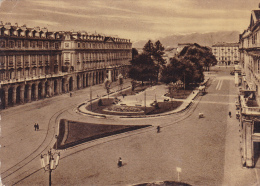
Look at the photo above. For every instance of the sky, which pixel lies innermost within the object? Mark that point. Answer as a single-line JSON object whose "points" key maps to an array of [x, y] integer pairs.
{"points": [[131, 19]]}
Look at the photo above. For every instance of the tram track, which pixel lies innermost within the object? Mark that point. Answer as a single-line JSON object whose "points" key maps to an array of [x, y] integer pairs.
{"points": [[181, 116], [16, 173], [7, 176]]}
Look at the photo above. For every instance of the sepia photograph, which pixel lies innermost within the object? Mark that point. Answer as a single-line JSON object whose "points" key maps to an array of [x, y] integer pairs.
{"points": [[129, 92]]}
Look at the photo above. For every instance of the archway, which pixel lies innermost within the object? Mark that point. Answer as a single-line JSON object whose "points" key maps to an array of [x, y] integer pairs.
{"points": [[40, 91], [71, 84], [18, 90], [33, 92], [2, 99], [10, 96], [26, 89], [78, 82], [55, 87], [63, 85]]}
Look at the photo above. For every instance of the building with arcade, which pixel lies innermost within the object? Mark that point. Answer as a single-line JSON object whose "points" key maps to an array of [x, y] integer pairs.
{"points": [[36, 63], [248, 101]]}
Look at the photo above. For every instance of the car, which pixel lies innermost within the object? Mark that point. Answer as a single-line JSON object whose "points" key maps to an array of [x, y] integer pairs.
{"points": [[232, 72]]}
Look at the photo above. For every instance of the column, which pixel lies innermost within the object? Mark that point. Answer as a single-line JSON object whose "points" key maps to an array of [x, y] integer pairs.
{"points": [[36, 92], [6, 98], [22, 94], [248, 124], [51, 88], [29, 93], [43, 90]]}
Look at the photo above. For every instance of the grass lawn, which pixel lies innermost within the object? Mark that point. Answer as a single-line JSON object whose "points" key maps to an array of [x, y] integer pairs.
{"points": [[180, 94], [73, 133]]}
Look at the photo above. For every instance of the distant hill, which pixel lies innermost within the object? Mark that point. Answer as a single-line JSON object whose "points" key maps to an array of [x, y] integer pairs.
{"points": [[206, 39]]}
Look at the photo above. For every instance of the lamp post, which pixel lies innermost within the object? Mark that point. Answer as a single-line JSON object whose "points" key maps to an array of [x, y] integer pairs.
{"points": [[51, 164]]}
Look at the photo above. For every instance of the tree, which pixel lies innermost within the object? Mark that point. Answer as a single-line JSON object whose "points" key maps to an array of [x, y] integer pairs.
{"points": [[188, 66], [134, 53], [199, 54], [148, 49], [143, 68], [158, 51]]}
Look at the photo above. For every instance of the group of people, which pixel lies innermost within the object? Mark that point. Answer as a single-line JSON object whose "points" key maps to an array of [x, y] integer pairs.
{"points": [[36, 126]]}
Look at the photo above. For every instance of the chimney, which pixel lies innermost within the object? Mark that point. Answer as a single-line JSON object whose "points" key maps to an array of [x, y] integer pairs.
{"points": [[44, 29]]}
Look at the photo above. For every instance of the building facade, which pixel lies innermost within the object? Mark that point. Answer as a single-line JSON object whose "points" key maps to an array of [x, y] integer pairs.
{"points": [[249, 105], [226, 53], [36, 63]]}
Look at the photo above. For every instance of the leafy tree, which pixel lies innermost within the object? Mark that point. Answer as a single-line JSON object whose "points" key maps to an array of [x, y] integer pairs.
{"points": [[158, 51], [148, 48], [134, 53], [188, 66], [147, 65], [143, 68]]}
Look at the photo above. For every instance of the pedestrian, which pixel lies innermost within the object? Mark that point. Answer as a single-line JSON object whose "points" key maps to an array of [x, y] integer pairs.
{"points": [[35, 126], [70, 94], [158, 129], [119, 163], [229, 114]]}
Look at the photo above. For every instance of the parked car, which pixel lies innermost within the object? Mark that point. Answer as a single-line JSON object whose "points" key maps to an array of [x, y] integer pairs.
{"points": [[232, 72]]}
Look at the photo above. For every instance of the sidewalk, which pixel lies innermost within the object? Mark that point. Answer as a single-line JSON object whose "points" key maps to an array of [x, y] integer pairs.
{"points": [[234, 173]]}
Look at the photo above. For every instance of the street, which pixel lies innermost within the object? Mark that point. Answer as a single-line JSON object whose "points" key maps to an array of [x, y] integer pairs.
{"points": [[206, 149]]}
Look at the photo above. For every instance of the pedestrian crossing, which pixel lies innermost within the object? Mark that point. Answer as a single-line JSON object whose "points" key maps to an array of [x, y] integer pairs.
{"points": [[219, 85]]}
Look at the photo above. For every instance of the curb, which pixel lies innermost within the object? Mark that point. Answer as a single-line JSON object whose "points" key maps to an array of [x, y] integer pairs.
{"points": [[141, 116]]}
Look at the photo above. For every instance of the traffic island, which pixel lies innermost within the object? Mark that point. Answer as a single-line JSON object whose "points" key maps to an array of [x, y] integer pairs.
{"points": [[164, 183], [72, 133]]}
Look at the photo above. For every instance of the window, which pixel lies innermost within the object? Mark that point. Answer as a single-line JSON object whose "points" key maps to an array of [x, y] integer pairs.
{"points": [[11, 60], [2, 60], [46, 45], [11, 44], [46, 58], [83, 45], [40, 59], [78, 45], [18, 60], [2, 44], [19, 44], [40, 44], [33, 44], [26, 44], [67, 45], [33, 59], [56, 45]]}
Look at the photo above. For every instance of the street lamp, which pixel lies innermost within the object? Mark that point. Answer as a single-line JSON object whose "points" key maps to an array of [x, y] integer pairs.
{"points": [[51, 164]]}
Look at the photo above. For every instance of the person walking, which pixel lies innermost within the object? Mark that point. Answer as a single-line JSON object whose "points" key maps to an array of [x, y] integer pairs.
{"points": [[158, 129], [229, 114], [35, 126], [119, 163]]}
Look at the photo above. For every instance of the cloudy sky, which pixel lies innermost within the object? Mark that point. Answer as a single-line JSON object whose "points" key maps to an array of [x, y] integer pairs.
{"points": [[131, 19]]}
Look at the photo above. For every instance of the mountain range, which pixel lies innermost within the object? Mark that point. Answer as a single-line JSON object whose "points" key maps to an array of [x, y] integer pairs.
{"points": [[203, 39]]}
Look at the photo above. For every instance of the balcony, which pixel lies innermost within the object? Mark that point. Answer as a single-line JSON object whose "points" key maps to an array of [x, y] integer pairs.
{"points": [[249, 104]]}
